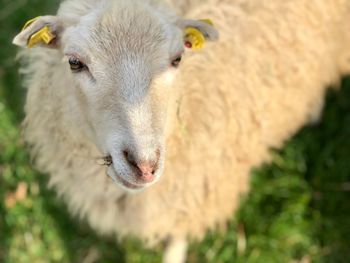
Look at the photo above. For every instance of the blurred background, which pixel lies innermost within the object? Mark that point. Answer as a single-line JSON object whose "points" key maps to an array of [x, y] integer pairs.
{"points": [[298, 209]]}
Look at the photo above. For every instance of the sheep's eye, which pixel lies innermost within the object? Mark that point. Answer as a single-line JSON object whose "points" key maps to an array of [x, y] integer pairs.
{"points": [[175, 63], [76, 65]]}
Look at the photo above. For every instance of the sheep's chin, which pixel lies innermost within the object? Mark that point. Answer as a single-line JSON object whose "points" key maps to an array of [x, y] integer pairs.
{"points": [[122, 183]]}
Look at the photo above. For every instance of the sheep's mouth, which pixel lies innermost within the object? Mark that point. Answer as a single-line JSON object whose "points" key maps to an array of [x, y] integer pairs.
{"points": [[121, 181], [128, 184]]}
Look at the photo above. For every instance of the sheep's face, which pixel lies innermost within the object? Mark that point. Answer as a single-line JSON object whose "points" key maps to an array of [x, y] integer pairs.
{"points": [[125, 68], [123, 59]]}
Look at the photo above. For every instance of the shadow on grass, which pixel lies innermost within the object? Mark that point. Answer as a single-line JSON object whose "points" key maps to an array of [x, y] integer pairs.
{"points": [[328, 160]]}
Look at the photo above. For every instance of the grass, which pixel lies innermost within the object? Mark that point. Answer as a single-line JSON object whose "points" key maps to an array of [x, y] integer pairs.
{"points": [[298, 209]]}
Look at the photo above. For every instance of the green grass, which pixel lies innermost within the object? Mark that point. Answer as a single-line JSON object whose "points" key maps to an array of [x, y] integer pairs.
{"points": [[298, 207]]}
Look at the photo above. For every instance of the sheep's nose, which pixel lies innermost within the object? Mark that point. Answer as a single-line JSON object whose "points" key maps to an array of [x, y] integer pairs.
{"points": [[144, 169]]}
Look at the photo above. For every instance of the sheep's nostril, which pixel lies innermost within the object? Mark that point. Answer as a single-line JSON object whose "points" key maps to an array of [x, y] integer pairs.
{"points": [[130, 159]]}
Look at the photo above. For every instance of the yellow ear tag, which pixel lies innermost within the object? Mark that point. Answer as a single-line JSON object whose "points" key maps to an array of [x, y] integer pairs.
{"points": [[43, 35], [194, 38]]}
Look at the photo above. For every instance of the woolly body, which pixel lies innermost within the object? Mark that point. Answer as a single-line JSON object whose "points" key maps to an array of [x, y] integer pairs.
{"points": [[232, 102]]}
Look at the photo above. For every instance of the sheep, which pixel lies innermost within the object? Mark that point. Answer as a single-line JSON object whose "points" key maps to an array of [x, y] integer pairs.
{"points": [[178, 138]]}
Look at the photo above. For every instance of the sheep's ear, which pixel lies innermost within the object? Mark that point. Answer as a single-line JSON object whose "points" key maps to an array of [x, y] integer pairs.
{"points": [[197, 32], [43, 30]]}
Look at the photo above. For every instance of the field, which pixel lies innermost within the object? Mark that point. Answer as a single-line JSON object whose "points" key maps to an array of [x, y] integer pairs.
{"points": [[298, 209]]}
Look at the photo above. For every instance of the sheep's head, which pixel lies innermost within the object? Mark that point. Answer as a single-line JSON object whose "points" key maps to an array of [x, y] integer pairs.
{"points": [[123, 58]]}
